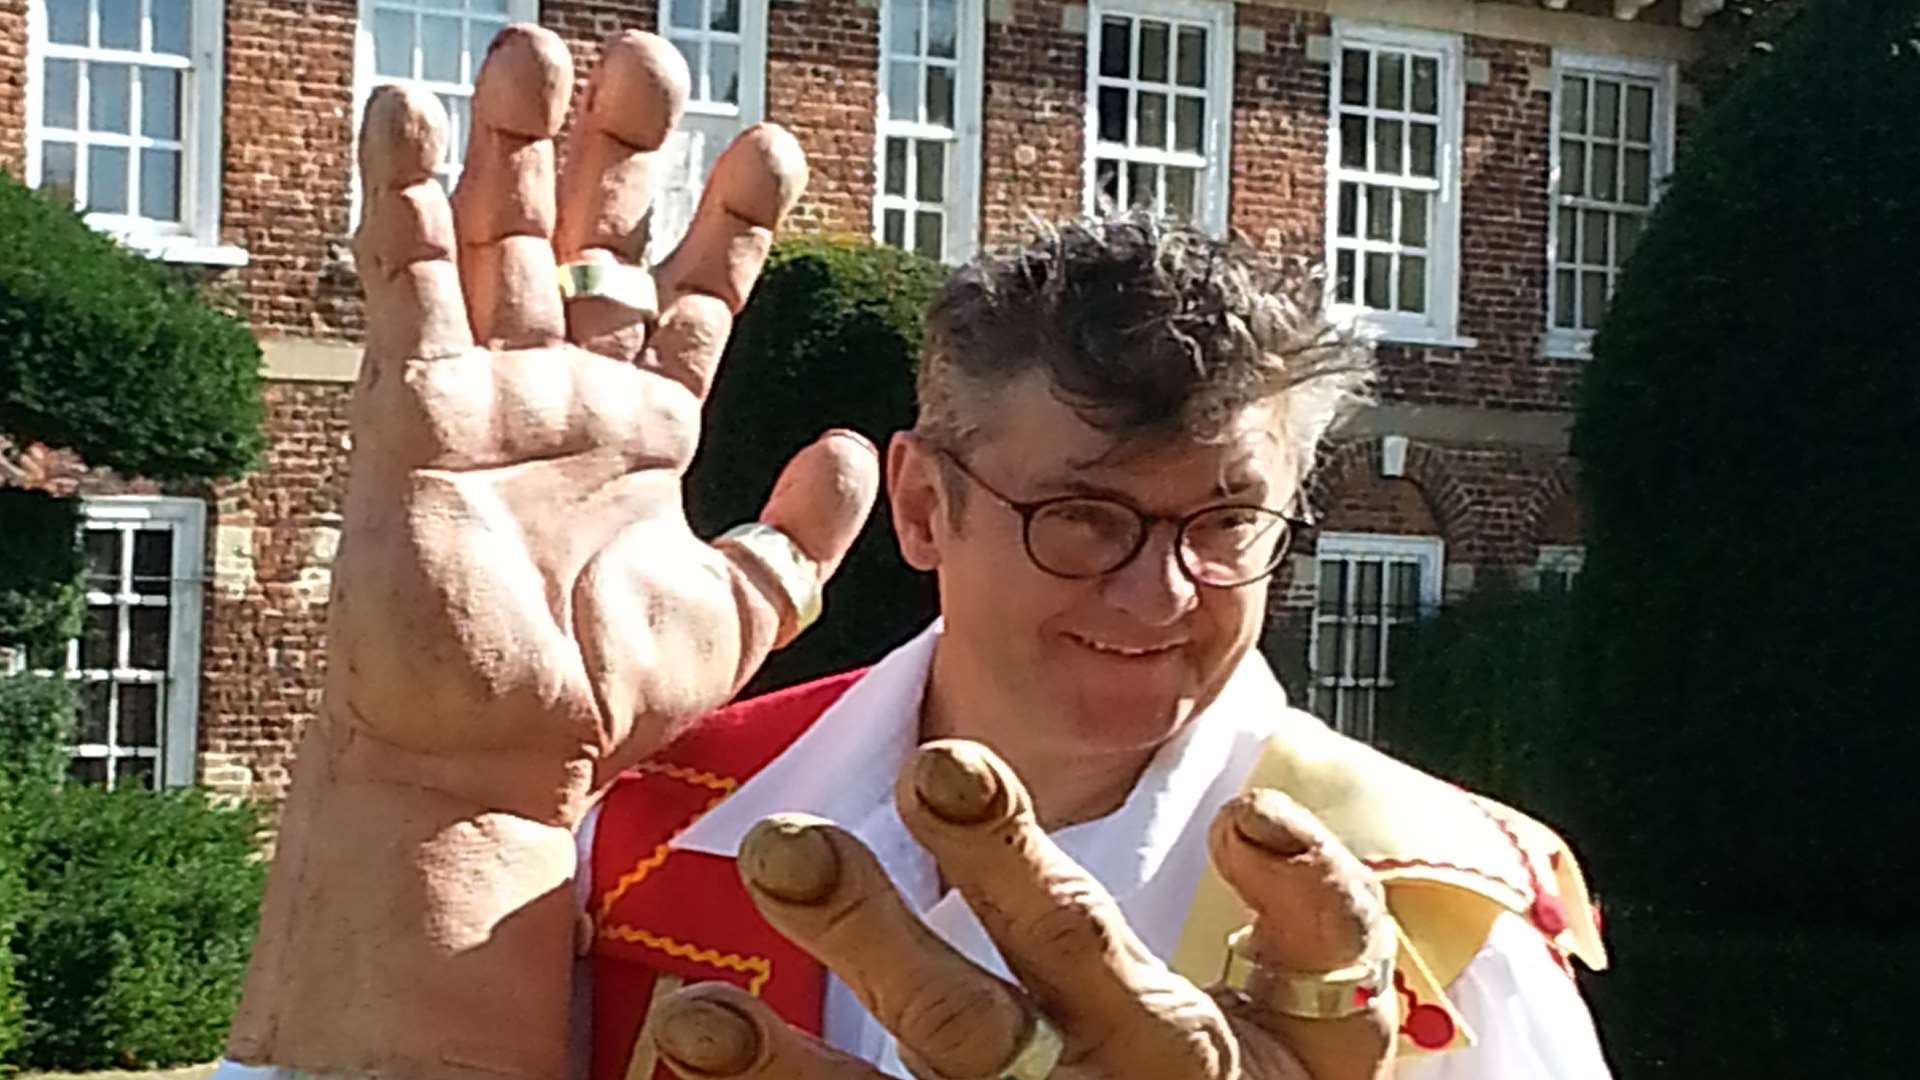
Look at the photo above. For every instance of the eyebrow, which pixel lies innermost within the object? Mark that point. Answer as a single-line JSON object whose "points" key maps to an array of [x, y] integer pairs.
{"points": [[1239, 483]]}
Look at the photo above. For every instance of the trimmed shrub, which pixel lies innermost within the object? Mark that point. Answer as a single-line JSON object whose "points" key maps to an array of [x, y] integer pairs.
{"points": [[114, 356], [137, 924], [1745, 620], [36, 721], [42, 600], [830, 339]]}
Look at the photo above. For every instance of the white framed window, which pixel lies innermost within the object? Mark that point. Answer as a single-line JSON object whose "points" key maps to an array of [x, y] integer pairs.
{"points": [[1612, 149], [928, 150], [123, 113], [1393, 191], [437, 45], [136, 662], [1369, 586], [1159, 99], [1557, 566], [725, 43]]}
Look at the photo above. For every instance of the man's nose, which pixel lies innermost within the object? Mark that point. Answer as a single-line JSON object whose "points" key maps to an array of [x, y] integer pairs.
{"points": [[1152, 587]]}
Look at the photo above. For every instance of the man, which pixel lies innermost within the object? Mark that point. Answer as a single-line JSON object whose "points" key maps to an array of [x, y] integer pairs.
{"points": [[1115, 426]]}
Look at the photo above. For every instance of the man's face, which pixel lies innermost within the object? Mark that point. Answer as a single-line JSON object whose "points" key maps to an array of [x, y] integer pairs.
{"points": [[1113, 664]]}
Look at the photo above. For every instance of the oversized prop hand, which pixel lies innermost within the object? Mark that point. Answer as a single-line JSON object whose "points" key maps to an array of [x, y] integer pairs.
{"points": [[1092, 1003], [520, 609]]}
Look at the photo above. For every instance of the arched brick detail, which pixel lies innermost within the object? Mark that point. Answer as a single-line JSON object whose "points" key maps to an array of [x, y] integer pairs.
{"points": [[1344, 463], [1547, 500]]}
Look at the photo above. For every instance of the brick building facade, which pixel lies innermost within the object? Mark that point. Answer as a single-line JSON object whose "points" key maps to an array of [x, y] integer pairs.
{"points": [[1473, 170]]}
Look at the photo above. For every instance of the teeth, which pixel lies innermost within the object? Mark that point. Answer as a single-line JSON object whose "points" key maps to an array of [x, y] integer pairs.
{"points": [[1117, 650]]}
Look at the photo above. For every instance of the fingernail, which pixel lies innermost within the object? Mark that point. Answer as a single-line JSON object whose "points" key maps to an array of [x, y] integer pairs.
{"points": [[854, 436], [1260, 819], [791, 857], [956, 781], [707, 1037]]}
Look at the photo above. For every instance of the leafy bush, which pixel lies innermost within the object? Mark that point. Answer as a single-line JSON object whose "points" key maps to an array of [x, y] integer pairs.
{"points": [[41, 568], [36, 721], [136, 927], [830, 339], [1745, 620], [1479, 697], [110, 354]]}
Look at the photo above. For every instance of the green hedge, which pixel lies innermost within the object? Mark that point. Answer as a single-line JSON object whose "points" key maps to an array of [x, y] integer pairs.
{"points": [[41, 571], [112, 355], [830, 338]]}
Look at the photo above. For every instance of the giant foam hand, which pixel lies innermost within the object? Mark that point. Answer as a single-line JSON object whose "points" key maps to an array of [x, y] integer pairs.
{"points": [[519, 608]]}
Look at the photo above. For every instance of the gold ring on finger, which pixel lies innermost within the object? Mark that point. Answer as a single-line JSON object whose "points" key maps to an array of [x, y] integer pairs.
{"points": [[797, 574], [629, 286], [1039, 1052]]}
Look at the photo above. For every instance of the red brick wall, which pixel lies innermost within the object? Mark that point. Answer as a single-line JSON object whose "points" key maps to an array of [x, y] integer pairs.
{"points": [[823, 63], [13, 86], [1032, 110], [1280, 112]]}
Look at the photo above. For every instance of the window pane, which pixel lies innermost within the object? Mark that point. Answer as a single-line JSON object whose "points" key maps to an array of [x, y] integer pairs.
{"points": [[1413, 284], [1326, 660], [1182, 193], [903, 26], [1106, 180], [1369, 589], [940, 95], [1640, 113], [928, 229], [943, 30], [440, 48], [1573, 105], [1406, 590], [89, 771], [1116, 47], [1379, 213], [1573, 167], [1626, 236], [57, 165], [1606, 160], [139, 723], [107, 179], [1379, 280], [147, 630], [903, 91], [1413, 218], [480, 34], [1151, 122], [724, 16], [103, 559], [1333, 577], [1390, 81], [67, 22], [1153, 50], [1143, 185], [159, 103], [1366, 664], [160, 184], [1112, 114], [1637, 185], [1353, 76], [1343, 283], [95, 695], [1593, 298], [1386, 146], [1191, 65], [1348, 212], [170, 26], [60, 101], [152, 557], [1424, 137], [723, 73], [1593, 237], [109, 97], [1353, 142], [1564, 311], [119, 24], [894, 182], [893, 227], [1189, 124], [133, 773], [686, 13], [1606, 109], [97, 638], [930, 178], [1567, 226], [1426, 86], [392, 44]]}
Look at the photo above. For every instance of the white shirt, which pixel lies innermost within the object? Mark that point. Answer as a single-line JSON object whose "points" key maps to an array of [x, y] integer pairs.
{"points": [[1150, 853]]}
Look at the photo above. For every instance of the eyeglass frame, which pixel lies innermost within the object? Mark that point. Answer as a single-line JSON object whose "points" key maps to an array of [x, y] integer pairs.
{"points": [[1029, 509]]}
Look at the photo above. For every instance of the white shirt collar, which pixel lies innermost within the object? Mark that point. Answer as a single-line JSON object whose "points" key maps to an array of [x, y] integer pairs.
{"points": [[843, 769]]}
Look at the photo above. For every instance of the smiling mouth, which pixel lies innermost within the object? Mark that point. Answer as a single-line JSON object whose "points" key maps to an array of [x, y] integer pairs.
{"points": [[1127, 651]]}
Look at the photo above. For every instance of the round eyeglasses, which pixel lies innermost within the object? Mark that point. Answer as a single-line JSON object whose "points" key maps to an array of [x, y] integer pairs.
{"points": [[1085, 536]]}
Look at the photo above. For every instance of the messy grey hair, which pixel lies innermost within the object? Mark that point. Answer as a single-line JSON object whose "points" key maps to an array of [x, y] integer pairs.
{"points": [[1148, 330]]}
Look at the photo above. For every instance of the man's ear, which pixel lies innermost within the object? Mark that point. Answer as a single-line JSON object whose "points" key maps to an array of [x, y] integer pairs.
{"points": [[915, 497]]}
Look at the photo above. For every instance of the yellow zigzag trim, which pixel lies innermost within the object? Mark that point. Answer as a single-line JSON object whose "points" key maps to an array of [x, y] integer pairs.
{"points": [[757, 966], [724, 785]]}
